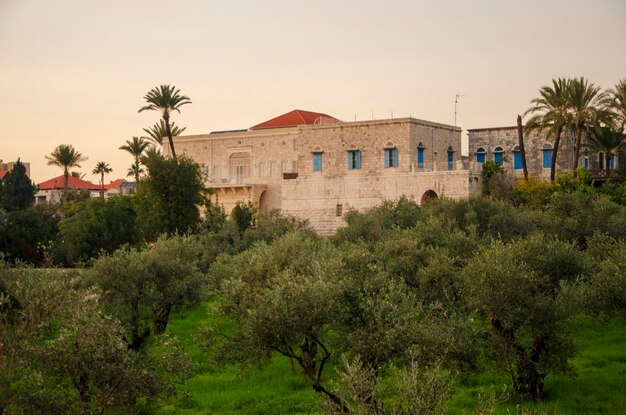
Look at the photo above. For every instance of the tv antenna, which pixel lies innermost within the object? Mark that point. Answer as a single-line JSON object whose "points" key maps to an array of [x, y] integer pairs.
{"points": [[456, 100]]}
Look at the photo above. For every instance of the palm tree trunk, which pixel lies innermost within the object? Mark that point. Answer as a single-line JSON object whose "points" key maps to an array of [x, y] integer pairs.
{"points": [[137, 170], [555, 150], [579, 133], [102, 184], [66, 176], [520, 136], [607, 163], [169, 135]]}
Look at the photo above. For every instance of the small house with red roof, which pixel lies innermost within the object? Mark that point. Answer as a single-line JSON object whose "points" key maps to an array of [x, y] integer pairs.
{"points": [[316, 167], [51, 191]]}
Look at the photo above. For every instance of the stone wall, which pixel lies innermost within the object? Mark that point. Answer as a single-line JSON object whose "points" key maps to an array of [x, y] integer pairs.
{"points": [[372, 138], [272, 153], [325, 200], [506, 137]]}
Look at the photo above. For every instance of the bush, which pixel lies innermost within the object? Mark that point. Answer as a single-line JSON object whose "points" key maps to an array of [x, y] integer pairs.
{"points": [[96, 226]]}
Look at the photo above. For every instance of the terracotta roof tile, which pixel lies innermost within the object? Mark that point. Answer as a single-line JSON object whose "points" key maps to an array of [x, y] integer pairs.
{"points": [[294, 118], [73, 183]]}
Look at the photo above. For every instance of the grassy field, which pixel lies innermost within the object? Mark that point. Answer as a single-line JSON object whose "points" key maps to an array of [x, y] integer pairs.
{"points": [[598, 388]]}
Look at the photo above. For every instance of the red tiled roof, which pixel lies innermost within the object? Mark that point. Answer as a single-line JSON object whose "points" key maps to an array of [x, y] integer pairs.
{"points": [[115, 184], [294, 118], [3, 173], [73, 183]]}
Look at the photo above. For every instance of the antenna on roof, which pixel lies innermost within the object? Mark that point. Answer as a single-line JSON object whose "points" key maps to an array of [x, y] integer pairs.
{"points": [[373, 114], [456, 99]]}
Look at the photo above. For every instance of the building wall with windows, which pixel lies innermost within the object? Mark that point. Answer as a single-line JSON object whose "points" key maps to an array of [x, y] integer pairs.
{"points": [[501, 144], [317, 171], [244, 166]]}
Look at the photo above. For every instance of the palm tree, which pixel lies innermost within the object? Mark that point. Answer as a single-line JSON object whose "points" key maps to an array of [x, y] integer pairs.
{"points": [[136, 147], [135, 170], [550, 113], [159, 130], [77, 174], [615, 101], [102, 168], [606, 140], [66, 157], [583, 101], [165, 99]]}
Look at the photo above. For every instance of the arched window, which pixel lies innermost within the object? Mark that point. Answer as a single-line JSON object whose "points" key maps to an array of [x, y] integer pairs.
{"points": [[547, 156], [517, 158], [498, 155], [239, 166], [420, 155], [480, 155], [586, 158], [450, 158]]}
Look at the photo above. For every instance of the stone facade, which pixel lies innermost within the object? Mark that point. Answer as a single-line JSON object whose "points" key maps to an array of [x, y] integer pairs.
{"points": [[311, 171], [535, 144]]}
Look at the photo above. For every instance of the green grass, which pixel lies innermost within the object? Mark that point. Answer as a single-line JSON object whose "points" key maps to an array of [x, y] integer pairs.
{"points": [[598, 388], [232, 389]]}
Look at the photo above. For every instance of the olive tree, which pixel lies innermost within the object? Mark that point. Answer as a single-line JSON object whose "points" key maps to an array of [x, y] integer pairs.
{"points": [[529, 334]]}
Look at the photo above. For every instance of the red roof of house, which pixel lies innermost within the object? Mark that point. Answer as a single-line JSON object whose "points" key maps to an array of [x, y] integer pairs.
{"points": [[294, 118], [115, 184], [72, 183], [3, 173]]}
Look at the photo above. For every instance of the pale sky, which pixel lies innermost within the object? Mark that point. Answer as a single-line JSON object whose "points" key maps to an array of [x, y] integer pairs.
{"points": [[75, 72]]}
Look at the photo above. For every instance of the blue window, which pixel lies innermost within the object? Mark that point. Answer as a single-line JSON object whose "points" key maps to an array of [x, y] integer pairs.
{"points": [[498, 155], [586, 159], [480, 155], [547, 156], [420, 155], [450, 158], [354, 159], [612, 162], [517, 158], [391, 157], [317, 161]]}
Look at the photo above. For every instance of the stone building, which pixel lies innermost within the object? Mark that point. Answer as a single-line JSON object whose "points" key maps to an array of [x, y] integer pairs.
{"points": [[501, 144], [316, 167]]}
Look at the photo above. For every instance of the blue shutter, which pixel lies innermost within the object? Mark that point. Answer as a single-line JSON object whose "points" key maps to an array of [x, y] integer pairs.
{"points": [[517, 160], [317, 161], [480, 157], [387, 158], [420, 157], [587, 162], [395, 157], [612, 162], [350, 161], [358, 159], [499, 158], [547, 158], [450, 160]]}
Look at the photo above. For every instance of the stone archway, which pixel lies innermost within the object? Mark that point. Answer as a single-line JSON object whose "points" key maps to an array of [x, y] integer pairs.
{"points": [[428, 195], [262, 206]]}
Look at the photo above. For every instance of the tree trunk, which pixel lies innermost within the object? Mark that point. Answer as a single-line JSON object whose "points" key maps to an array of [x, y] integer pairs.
{"points": [[137, 170], [66, 176], [161, 318], [169, 135], [522, 150], [102, 183], [579, 133], [555, 151]]}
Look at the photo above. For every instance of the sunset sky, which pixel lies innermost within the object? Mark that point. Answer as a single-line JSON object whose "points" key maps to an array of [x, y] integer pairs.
{"points": [[75, 72]]}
